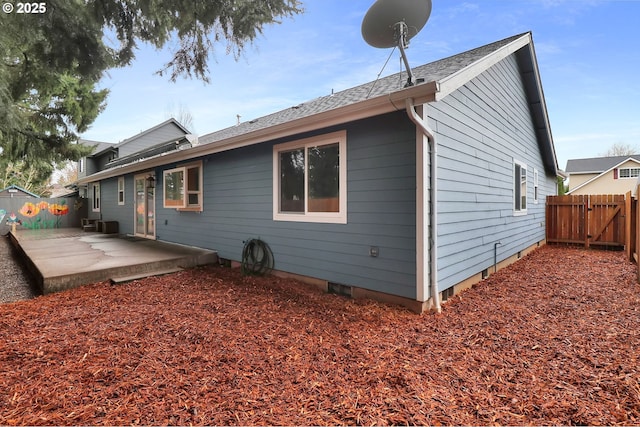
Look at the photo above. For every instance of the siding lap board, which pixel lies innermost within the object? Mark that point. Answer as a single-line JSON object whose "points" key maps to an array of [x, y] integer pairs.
{"points": [[109, 208], [480, 129], [162, 134], [381, 211]]}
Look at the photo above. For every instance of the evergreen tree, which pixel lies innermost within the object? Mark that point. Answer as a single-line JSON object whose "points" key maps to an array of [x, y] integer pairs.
{"points": [[51, 62]]}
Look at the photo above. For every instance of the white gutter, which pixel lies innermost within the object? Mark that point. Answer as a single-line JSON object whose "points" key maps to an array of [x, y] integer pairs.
{"points": [[363, 109], [433, 211]]}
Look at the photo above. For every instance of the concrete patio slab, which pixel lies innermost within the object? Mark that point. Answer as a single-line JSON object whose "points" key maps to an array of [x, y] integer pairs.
{"points": [[69, 257]]}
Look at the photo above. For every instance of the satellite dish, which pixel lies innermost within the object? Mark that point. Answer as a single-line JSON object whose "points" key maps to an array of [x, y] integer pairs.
{"points": [[390, 23]]}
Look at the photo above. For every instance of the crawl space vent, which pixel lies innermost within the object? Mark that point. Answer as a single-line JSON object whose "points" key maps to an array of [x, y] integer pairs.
{"points": [[446, 294], [339, 289]]}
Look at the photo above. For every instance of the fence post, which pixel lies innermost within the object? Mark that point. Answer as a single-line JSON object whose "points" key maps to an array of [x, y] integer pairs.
{"points": [[627, 225], [547, 220], [587, 209], [637, 231]]}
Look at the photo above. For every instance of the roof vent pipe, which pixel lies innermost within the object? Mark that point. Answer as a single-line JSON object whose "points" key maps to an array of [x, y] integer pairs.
{"points": [[433, 212]]}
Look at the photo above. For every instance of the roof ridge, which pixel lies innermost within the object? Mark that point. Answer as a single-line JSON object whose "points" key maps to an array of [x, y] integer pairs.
{"points": [[430, 72]]}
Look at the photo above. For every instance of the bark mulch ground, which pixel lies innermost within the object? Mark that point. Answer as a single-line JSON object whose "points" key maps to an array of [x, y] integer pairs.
{"points": [[553, 339]]}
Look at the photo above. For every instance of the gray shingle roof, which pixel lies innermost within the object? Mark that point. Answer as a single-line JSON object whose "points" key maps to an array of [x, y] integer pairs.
{"points": [[596, 164], [15, 187], [431, 72], [99, 146], [151, 129], [372, 98], [152, 151]]}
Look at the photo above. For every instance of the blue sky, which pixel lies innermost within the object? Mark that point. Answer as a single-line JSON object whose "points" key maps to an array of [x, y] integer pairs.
{"points": [[587, 50]]}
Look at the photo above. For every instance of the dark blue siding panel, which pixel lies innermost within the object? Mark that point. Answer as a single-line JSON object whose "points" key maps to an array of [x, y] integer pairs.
{"points": [[238, 196], [110, 210], [480, 129]]}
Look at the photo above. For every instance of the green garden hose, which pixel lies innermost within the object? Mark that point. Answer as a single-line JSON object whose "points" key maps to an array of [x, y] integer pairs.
{"points": [[257, 258]]}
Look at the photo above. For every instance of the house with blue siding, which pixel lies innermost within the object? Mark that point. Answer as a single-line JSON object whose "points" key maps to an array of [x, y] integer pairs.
{"points": [[406, 194]]}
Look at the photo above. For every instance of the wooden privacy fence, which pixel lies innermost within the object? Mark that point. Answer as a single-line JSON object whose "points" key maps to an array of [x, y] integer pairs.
{"points": [[41, 213], [611, 220], [590, 220]]}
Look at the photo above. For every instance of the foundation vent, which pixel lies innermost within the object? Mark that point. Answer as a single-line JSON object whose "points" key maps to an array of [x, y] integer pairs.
{"points": [[339, 289], [446, 294]]}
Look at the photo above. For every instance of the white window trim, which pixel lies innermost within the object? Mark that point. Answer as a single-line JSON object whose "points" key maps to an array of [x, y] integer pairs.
{"points": [[536, 187], [339, 217], [523, 166], [121, 191], [185, 205], [95, 197], [626, 177]]}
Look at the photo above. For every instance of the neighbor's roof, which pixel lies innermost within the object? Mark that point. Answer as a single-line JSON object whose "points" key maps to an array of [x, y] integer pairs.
{"points": [[156, 127], [434, 81], [15, 187], [596, 164], [98, 146], [622, 160], [155, 150], [101, 147]]}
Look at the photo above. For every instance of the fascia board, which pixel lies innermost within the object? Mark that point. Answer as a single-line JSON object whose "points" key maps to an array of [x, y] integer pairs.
{"points": [[454, 81], [394, 101], [584, 173]]}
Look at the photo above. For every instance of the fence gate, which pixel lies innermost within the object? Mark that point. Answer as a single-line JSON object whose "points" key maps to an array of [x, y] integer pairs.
{"points": [[589, 220]]}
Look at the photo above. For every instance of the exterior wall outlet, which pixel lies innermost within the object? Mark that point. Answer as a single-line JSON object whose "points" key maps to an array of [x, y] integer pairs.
{"points": [[374, 251]]}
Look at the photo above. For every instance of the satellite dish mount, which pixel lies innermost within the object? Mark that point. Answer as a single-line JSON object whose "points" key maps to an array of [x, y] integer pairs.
{"points": [[392, 23], [402, 36]]}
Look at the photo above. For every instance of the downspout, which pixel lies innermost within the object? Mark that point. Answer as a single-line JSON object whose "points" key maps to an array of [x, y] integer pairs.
{"points": [[433, 211]]}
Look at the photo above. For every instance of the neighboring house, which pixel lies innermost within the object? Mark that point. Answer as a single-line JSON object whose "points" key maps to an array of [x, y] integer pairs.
{"points": [[603, 175], [342, 187], [96, 161], [104, 152], [15, 191], [64, 191]]}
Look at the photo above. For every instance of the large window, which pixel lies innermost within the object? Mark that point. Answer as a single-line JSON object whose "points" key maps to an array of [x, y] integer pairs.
{"points": [[310, 179], [520, 188], [183, 187]]}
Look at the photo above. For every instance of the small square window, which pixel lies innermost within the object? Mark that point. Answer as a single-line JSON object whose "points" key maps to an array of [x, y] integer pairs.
{"points": [[183, 187]]}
